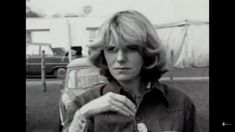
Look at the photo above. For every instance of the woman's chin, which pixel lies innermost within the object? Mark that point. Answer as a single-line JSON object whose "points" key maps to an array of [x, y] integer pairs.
{"points": [[123, 78]]}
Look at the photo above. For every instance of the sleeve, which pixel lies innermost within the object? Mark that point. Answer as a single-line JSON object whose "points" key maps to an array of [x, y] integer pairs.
{"points": [[191, 119], [82, 124]]}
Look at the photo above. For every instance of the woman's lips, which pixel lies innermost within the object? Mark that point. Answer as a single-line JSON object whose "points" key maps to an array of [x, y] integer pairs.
{"points": [[122, 68]]}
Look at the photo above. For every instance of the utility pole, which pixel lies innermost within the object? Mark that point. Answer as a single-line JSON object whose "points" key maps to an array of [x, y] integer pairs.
{"points": [[172, 63], [69, 36], [43, 71]]}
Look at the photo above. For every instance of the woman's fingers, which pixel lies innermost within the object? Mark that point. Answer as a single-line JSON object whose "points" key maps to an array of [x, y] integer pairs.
{"points": [[109, 102], [125, 101], [121, 108]]}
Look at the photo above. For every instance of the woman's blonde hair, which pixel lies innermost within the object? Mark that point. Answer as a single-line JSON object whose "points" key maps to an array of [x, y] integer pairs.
{"points": [[130, 27]]}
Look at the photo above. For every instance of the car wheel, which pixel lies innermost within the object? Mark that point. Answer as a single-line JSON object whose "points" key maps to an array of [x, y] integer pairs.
{"points": [[60, 72]]}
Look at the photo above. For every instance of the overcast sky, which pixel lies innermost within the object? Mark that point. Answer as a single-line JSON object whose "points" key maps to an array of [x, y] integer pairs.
{"points": [[158, 11]]}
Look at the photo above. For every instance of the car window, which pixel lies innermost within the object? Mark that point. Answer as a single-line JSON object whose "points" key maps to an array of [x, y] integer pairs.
{"points": [[80, 78], [47, 49], [32, 50], [37, 49]]}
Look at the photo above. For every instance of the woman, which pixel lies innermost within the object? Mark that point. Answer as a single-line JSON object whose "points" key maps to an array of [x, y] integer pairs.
{"points": [[129, 53]]}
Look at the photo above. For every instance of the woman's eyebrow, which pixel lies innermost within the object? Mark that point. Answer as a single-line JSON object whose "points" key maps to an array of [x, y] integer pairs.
{"points": [[110, 46], [131, 44]]}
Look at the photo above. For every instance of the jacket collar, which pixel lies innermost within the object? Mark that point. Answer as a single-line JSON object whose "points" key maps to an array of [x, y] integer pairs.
{"points": [[114, 87], [156, 85]]}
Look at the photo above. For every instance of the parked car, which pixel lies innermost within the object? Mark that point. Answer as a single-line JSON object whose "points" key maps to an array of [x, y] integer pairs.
{"points": [[59, 51], [76, 52], [55, 65], [81, 75]]}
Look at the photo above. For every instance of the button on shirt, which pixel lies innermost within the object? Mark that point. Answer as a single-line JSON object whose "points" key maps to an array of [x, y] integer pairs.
{"points": [[161, 108]]}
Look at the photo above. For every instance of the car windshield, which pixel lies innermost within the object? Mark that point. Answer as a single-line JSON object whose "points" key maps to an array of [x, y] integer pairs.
{"points": [[36, 49], [84, 77]]}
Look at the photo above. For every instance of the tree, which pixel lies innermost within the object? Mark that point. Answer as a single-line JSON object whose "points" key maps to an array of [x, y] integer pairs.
{"points": [[30, 12]]}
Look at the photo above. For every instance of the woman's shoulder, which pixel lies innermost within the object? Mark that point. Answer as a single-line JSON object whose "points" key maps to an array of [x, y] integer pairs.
{"points": [[177, 98]]}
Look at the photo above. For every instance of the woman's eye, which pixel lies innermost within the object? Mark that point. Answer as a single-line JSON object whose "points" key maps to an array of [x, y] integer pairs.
{"points": [[110, 48], [133, 47]]}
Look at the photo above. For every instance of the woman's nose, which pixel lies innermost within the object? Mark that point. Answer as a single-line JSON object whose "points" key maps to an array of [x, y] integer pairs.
{"points": [[121, 56]]}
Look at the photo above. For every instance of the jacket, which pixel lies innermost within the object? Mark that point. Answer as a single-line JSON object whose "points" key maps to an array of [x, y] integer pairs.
{"points": [[162, 108]]}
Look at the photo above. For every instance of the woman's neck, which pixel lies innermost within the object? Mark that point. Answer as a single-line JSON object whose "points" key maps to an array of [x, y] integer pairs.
{"points": [[134, 86]]}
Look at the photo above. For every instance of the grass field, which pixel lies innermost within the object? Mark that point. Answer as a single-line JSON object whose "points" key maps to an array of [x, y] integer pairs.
{"points": [[42, 113]]}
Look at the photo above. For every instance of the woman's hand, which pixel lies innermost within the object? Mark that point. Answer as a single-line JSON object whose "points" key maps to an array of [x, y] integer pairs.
{"points": [[109, 102]]}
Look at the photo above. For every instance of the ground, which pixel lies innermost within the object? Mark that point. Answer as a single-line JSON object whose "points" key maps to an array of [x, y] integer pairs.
{"points": [[42, 113]]}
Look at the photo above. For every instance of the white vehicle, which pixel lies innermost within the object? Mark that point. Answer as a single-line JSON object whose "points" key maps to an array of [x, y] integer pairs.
{"points": [[81, 75]]}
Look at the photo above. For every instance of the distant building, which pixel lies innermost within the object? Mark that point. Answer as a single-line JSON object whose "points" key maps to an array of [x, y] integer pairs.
{"points": [[187, 42], [62, 32]]}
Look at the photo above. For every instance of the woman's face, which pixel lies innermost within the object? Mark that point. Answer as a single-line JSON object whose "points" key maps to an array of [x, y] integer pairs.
{"points": [[124, 62]]}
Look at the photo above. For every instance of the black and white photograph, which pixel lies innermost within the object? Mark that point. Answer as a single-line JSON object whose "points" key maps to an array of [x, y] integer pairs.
{"points": [[117, 66]]}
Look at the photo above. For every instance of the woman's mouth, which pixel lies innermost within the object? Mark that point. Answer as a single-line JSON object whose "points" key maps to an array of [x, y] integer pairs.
{"points": [[122, 68]]}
